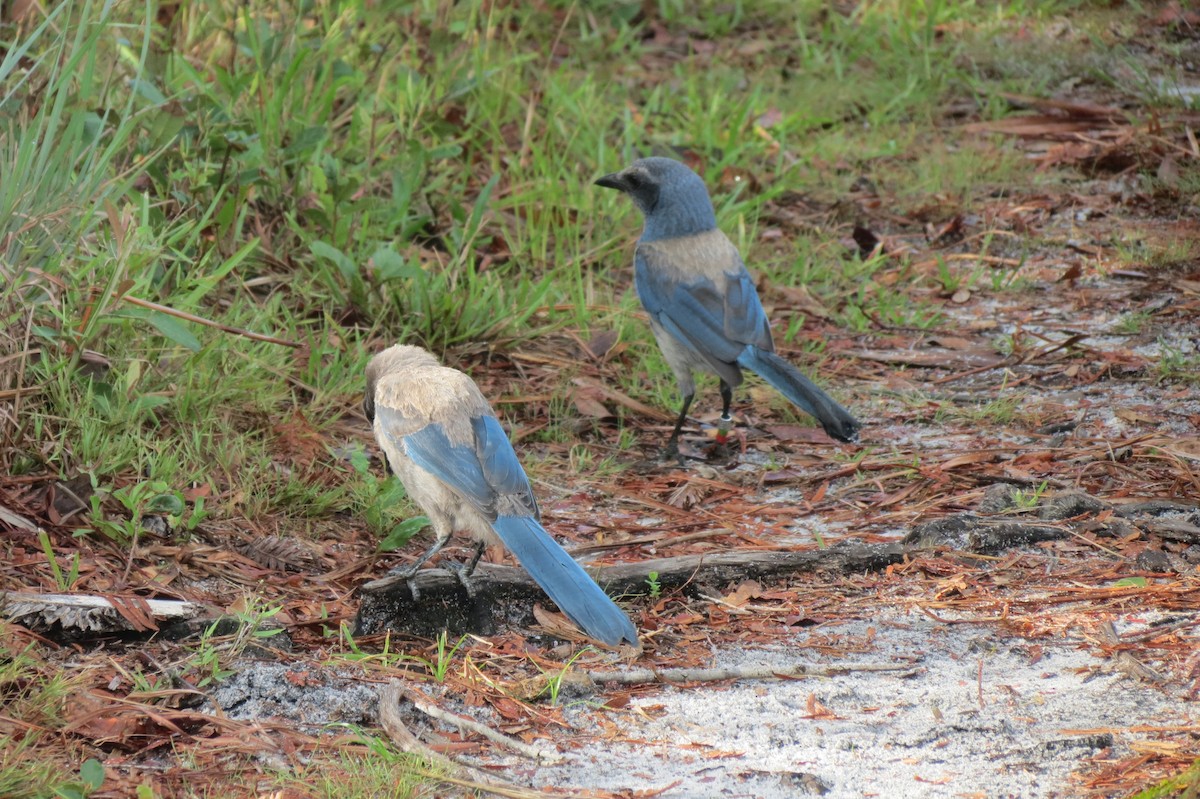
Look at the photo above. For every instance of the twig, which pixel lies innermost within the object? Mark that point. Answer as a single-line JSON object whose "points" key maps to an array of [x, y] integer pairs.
{"points": [[1155, 632], [657, 538], [973, 620], [968, 256], [729, 606], [91, 612], [200, 320], [643, 676], [389, 718], [14, 519], [523, 749]]}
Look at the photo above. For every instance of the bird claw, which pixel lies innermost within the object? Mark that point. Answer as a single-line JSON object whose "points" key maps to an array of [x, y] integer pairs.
{"points": [[681, 453], [728, 446], [407, 573], [721, 451], [671, 453], [459, 570]]}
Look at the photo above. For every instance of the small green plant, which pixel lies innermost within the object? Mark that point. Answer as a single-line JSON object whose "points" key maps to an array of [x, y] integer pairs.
{"points": [[1132, 323], [62, 581], [655, 585], [1176, 365], [91, 778], [250, 625], [351, 651], [581, 459], [949, 280], [37, 696], [379, 500], [1027, 500], [1009, 279], [149, 497], [627, 438], [440, 667], [1002, 410], [554, 682]]}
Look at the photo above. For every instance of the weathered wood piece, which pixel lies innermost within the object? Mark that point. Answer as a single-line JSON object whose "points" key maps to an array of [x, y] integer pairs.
{"points": [[504, 595]]}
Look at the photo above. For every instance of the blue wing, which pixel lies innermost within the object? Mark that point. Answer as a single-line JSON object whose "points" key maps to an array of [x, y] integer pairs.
{"points": [[501, 469], [716, 325], [481, 471]]}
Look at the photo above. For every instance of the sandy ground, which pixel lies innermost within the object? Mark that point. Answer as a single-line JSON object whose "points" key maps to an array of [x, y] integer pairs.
{"points": [[983, 712], [980, 715]]}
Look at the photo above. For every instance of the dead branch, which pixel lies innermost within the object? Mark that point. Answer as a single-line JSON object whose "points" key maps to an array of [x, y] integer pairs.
{"points": [[654, 676], [86, 613], [499, 738], [579, 683], [200, 320], [504, 595], [446, 770]]}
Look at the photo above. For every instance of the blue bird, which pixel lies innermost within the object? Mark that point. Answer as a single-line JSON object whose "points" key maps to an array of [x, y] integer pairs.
{"points": [[456, 462], [704, 310]]}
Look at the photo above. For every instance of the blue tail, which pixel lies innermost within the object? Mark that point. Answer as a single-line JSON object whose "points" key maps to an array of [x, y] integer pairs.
{"points": [[802, 392], [575, 593]]}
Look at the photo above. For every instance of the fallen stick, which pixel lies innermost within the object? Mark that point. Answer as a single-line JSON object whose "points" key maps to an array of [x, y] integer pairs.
{"points": [[504, 595], [647, 676], [91, 613], [499, 738], [578, 683], [457, 773]]}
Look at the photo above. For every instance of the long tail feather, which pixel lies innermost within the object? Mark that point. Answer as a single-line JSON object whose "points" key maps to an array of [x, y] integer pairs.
{"points": [[575, 593], [802, 392]]}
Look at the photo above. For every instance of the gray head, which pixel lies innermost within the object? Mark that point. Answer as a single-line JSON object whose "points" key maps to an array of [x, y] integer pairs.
{"points": [[672, 197]]}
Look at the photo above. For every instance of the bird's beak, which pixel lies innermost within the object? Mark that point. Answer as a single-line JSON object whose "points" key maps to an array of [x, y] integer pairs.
{"points": [[612, 181]]}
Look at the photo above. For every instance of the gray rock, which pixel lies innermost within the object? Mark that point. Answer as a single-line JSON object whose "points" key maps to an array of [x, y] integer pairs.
{"points": [[1066, 506]]}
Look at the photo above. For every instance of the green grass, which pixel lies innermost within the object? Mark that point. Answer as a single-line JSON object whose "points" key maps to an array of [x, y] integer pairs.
{"points": [[379, 773], [1002, 411], [353, 174], [1177, 366], [335, 178], [1185, 785], [36, 697]]}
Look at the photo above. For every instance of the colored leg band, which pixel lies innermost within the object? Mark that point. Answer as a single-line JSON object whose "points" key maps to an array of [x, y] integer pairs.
{"points": [[723, 429]]}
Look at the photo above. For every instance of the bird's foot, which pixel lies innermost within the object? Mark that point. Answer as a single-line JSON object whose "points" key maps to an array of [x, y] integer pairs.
{"points": [[459, 570], [407, 573], [680, 452], [671, 453], [721, 451], [726, 444]]}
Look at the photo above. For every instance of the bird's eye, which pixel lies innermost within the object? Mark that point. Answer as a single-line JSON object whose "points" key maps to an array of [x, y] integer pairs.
{"points": [[634, 180]]}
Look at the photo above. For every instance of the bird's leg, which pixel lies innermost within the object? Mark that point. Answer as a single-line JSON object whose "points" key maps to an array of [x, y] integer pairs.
{"points": [[469, 569], [726, 420], [408, 572], [721, 448], [672, 448], [463, 571]]}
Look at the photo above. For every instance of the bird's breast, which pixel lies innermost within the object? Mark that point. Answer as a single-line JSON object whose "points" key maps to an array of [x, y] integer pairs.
{"points": [[708, 255]]}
